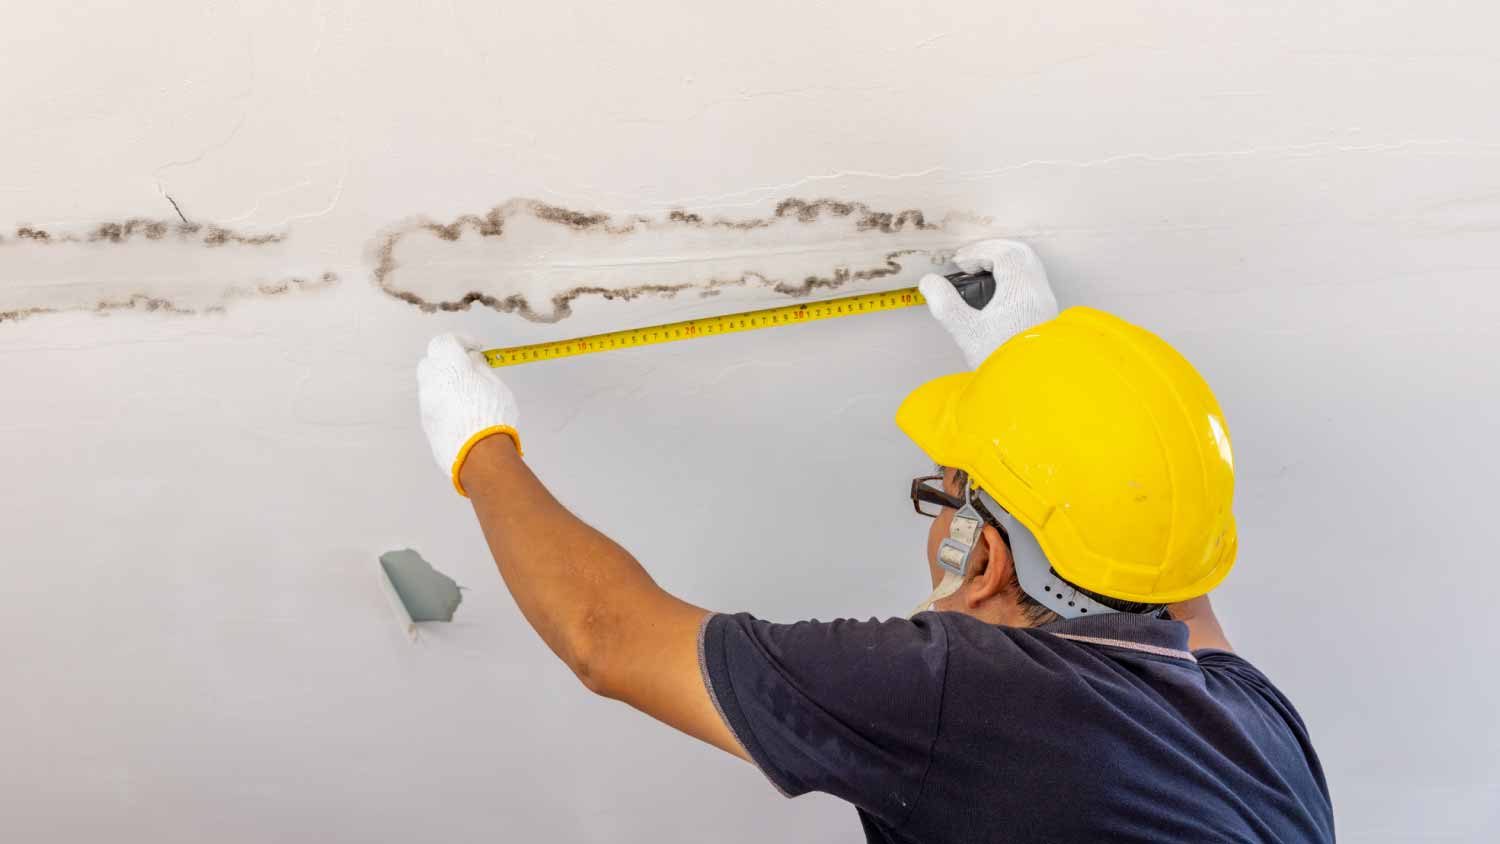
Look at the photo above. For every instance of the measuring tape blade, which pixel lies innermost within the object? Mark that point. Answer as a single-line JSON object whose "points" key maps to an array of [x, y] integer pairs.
{"points": [[692, 329], [976, 288]]}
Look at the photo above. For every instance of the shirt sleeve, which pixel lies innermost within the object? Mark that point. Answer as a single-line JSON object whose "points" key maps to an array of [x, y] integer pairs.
{"points": [[1228, 663], [845, 707], [1280, 718]]}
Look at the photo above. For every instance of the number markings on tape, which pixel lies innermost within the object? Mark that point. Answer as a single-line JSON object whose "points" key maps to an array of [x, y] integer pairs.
{"points": [[706, 327]]}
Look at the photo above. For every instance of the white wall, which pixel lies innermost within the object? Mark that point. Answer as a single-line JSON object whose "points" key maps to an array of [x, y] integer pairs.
{"points": [[1304, 199]]}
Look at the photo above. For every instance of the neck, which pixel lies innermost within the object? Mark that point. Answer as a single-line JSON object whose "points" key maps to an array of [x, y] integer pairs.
{"points": [[1001, 610]]}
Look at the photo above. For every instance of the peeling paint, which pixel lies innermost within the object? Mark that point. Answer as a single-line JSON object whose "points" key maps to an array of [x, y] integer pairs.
{"points": [[416, 591], [535, 259]]}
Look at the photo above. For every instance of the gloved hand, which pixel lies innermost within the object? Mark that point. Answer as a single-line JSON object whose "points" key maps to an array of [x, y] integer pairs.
{"points": [[463, 401], [1022, 300]]}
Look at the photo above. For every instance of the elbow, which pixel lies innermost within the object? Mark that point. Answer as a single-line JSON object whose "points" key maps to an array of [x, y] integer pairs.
{"points": [[587, 656], [588, 672]]}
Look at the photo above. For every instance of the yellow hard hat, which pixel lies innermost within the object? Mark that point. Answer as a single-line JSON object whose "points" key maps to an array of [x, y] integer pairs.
{"points": [[1104, 442]]}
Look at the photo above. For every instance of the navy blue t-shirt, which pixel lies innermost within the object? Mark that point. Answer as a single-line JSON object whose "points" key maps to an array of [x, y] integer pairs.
{"points": [[946, 728]]}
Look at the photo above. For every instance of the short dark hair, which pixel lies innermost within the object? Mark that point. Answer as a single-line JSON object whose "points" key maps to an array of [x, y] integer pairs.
{"points": [[1035, 611]]}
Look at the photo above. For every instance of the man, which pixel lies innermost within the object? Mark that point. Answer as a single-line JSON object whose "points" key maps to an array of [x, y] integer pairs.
{"points": [[1066, 680]]}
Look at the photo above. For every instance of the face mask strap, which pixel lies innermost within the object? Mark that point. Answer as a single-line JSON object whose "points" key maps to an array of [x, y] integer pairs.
{"points": [[953, 555], [963, 534], [947, 586]]}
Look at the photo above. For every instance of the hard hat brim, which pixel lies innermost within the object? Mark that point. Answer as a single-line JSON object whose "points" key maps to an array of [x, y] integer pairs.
{"points": [[927, 410]]}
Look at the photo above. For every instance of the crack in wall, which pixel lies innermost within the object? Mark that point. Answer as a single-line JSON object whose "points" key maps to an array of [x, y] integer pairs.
{"points": [[835, 235]]}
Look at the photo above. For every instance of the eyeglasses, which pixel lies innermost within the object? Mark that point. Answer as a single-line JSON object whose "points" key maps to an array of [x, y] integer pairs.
{"points": [[929, 495]]}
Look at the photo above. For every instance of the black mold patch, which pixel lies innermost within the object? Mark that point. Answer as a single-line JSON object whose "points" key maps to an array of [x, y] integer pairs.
{"points": [[493, 224], [869, 219], [148, 229], [181, 233], [148, 302]]}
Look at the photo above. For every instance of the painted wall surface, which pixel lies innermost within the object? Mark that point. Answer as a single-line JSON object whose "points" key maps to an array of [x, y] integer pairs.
{"points": [[228, 229]]}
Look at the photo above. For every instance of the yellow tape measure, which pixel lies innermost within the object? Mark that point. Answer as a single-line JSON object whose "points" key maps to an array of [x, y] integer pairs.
{"points": [[692, 329]]}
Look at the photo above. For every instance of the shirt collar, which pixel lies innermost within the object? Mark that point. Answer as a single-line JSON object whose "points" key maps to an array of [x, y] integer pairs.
{"points": [[1126, 630]]}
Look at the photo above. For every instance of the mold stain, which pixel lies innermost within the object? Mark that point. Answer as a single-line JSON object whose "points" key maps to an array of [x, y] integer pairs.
{"points": [[48, 267], [158, 304], [147, 229], [547, 258], [789, 215]]}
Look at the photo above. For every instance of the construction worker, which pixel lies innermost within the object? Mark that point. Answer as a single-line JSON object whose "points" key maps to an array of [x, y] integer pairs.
{"points": [[1065, 681]]}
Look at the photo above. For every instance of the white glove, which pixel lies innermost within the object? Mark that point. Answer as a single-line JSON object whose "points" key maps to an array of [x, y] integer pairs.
{"points": [[1022, 300], [463, 401]]}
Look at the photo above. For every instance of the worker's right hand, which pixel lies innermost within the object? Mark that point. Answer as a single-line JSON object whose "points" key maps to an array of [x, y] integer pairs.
{"points": [[463, 401], [1023, 298]]}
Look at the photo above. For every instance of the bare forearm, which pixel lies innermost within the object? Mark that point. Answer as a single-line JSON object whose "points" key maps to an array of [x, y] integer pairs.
{"points": [[568, 579]]}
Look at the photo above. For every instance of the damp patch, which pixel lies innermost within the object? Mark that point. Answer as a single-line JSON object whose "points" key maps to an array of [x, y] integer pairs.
{"points": [[167, 266], [535, 259], [416, 591]]}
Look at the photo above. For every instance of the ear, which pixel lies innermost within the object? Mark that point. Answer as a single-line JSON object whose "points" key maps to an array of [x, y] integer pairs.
{"points": [[992, 566]]}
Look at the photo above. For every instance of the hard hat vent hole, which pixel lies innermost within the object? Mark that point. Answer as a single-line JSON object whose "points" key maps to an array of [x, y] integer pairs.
{"points": [[1085, 609], [1048, 588], [1070, 603]]}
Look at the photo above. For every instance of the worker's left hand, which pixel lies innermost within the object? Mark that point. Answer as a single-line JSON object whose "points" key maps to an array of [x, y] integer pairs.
{"points": [[463, 401], [1023, 299]]}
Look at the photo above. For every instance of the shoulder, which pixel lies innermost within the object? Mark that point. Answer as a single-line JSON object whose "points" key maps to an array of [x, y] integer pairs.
{"points": [[1229, 674], [845, 706], [897, 666], [998, 644], [838, 640], [1228, 667]]}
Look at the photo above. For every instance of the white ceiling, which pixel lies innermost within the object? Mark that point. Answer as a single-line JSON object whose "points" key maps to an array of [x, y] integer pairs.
{"points": [[1304, 200]]}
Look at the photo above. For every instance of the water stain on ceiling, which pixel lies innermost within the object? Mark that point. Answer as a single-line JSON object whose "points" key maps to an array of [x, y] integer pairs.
{"points": [[143, 264], [147, 229], [523, 256], [534, 259]]}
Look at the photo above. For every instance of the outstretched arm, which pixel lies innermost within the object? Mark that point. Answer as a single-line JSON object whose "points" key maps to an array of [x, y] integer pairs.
{"points": [[588, 598], [1203, 626]]}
